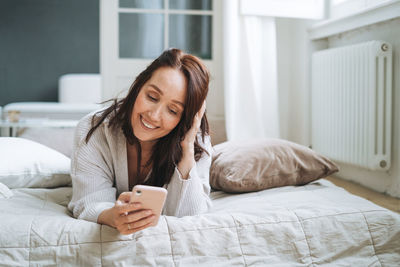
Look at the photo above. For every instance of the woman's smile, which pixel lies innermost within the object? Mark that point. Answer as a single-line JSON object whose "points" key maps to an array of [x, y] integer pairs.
{"points": [[146, 124]]}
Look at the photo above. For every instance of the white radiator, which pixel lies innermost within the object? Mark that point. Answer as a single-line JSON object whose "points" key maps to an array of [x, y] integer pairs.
{"points": [[352, 104]]}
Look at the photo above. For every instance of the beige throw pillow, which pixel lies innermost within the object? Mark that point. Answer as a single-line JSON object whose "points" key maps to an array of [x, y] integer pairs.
{"points": [[260, 164]]}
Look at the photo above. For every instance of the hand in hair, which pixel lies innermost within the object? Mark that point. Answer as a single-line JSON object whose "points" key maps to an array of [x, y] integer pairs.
{"points": [[188, 161], [126, 217]]}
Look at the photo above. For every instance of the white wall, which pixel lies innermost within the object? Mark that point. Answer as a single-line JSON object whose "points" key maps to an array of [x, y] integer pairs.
{"points": [[389, 31], [294, 52], [294, 84]]}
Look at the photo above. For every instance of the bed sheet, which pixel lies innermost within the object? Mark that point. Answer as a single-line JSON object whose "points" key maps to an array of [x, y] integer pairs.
{"points": [[318, 224]]}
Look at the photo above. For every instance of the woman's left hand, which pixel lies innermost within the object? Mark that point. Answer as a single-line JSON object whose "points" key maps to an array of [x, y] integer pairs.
{"points": [[187, 161]]}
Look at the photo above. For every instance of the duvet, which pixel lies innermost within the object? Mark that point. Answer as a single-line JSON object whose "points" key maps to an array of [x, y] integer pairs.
{"points": [[318, 224]]}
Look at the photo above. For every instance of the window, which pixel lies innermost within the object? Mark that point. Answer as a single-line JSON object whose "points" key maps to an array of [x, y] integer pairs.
{"points": [[147, 27]]}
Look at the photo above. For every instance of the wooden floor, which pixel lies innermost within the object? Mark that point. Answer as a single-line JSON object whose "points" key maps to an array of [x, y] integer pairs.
{"points": [[383, 200]]}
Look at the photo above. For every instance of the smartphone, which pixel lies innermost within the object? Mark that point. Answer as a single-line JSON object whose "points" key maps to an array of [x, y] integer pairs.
{"points": [[151, 198]]}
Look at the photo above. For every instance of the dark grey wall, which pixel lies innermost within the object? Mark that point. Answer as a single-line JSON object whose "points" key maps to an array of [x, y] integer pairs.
{"points": [[42, 39]]}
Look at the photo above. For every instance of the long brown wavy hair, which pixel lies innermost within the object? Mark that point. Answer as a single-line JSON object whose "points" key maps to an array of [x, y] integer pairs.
{"points": [[167, 152]]}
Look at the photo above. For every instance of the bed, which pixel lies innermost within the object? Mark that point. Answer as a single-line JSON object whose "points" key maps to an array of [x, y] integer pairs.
{"points": [[309, 225]]}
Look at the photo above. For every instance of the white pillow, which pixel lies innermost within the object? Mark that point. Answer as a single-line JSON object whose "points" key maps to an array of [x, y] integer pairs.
{"points": [[25, 163]]}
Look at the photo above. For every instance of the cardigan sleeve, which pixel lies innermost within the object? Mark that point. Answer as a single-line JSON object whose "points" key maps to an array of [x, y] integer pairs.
{"points": [[191, 196], [91, 173]]}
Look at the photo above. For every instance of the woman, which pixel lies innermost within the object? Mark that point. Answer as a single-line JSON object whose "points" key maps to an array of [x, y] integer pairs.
{"points": [[157, 135]]}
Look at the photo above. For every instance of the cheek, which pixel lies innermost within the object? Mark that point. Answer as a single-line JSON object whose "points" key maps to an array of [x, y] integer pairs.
{"points": [[138, 106], [171, 122]]}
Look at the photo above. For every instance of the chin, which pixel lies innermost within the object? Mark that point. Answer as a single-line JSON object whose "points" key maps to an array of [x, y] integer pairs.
{"points": [[144, 137]]}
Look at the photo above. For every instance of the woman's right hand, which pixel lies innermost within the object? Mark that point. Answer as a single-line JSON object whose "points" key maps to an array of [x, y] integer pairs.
{"points": [[127, 217]]}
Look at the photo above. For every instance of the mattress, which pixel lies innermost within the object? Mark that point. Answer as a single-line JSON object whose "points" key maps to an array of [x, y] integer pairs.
{"points": [[318, 224]]}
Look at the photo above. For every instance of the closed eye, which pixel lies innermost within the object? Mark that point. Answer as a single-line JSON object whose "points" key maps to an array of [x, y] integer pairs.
{"points": [[152, 98], [173, 111]]}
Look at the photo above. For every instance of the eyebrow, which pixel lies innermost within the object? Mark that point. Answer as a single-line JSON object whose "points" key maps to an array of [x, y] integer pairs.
{"points": [[161, 93]]}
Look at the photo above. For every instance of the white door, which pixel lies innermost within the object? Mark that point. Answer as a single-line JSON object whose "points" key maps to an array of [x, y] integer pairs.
{"points": [[134, 32]]}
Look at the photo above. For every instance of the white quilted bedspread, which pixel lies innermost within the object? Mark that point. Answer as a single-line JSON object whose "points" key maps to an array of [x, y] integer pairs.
{"points": [[312, 225]]}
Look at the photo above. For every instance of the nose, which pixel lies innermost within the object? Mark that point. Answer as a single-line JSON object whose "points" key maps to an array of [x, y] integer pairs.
{"points": [[155, 113]]}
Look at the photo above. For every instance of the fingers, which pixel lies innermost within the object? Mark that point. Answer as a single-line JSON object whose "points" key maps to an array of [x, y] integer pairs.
{"points": [[202, 110], [132, 227], [199, 115], [142, 222], [197, 119], [125, 197], [136, 216], [123, 206], [131, 231], [189, 138]]}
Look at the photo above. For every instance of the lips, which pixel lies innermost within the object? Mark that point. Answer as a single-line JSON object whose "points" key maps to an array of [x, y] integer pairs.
{"points": [[146, 124]]}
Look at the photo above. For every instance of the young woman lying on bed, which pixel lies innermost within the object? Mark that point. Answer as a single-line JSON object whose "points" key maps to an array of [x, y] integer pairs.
{"points": [[157, 135]]}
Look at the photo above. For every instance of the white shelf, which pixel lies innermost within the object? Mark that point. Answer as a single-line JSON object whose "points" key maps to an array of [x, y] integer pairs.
{"points": [[39, 123], [11, 128], [383, 12]]}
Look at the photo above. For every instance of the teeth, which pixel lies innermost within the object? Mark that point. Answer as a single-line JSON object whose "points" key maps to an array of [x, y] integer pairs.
{"points": [[148, 125]]}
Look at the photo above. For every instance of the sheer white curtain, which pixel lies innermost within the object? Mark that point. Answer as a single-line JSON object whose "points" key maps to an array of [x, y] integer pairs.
{"points": [[250, 75]]}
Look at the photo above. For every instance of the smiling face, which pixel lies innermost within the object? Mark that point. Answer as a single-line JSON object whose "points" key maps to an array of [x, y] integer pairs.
{"points": [[159, 105]]}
